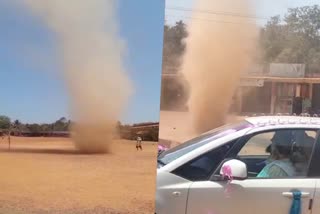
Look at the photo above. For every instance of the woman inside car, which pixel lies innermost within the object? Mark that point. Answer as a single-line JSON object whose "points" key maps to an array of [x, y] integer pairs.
{"points": [[281, 164]]}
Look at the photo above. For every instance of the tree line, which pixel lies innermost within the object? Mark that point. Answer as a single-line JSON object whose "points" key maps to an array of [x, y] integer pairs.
{"points": [[294, 38], [173, 93], [6, 124], [62, 126]]}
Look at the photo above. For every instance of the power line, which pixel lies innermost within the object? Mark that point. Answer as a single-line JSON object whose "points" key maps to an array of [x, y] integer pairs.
{"points": [[209, 20], [215, 12]]}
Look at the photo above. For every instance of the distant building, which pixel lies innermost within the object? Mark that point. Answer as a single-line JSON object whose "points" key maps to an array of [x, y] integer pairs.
{"points": [[280, 88], [275, 88]]}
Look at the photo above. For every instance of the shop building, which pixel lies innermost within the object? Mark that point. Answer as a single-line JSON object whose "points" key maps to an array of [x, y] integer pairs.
{"points": [[284, 88]]}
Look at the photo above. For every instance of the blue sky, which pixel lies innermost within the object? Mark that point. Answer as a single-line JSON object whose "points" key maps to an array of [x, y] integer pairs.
{"points": [[261, 8], [33, 91]]}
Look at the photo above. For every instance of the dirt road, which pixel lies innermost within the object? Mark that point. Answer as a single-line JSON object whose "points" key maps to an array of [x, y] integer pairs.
{"points": [[46, 175]]}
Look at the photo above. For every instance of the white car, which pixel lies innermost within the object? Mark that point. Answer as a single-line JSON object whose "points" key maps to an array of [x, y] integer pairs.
{"points": [[191, 178]]}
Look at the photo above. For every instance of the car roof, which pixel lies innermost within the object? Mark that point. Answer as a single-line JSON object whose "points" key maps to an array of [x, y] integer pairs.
{"points": [[281, 120]]}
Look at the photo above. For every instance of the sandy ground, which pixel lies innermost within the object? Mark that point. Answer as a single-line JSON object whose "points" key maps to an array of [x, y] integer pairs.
{"points": [[46, 175], [175, 127]]}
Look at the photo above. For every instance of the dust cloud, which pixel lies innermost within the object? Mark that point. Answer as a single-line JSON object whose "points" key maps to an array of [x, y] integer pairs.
{"points": [[218, 52], [92, 55]]}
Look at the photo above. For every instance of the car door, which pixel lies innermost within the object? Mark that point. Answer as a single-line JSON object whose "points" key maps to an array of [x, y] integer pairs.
{"points": [[173, 187], [314, 171], [252, 195], [249, 196]]}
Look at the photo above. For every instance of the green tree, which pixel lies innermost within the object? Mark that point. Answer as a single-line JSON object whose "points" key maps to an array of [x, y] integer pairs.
{"points": [[272, 39], [173, 47], [46, 127], [61, 125], [295, 39], [34, 128], [5, 122], [173, 90]]}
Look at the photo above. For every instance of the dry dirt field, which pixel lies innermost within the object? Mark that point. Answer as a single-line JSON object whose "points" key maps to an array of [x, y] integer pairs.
{"points": [[175, 127], [46, 175]]}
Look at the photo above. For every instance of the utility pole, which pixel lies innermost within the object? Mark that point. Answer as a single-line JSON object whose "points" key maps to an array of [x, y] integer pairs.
{"points": [[9, 134], [9, 140]]}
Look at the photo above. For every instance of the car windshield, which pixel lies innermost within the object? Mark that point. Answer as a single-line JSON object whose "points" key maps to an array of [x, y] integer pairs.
{"points": [[184, 148]]}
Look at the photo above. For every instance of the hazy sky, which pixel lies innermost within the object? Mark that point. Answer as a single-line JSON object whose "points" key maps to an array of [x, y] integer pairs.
{"points": [[33, 91], [261, 8]]}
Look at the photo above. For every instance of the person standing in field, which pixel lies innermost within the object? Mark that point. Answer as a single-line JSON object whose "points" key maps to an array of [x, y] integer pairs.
{"points": [[138, 144]]}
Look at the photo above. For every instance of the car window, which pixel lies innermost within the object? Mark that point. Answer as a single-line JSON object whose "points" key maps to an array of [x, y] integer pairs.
{"points": [[257, 145], [278, 154], [178, 151], [201, 168]]}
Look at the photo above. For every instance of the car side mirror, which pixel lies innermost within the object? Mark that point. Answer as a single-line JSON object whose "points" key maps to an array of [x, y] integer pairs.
{"points": [[234, 169]]}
